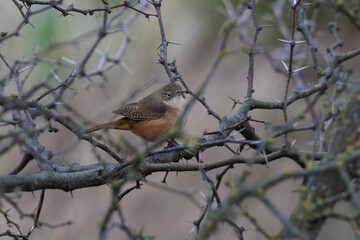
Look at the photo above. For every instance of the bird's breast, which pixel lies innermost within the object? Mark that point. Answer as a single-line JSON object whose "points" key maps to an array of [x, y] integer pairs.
{"points": [[155, 128]]}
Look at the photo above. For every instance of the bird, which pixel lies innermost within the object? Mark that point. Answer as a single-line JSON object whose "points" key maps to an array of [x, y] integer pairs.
{"points": [[152, 116]]}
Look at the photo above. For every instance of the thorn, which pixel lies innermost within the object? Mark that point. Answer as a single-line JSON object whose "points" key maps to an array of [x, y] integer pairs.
{"points": [[284, 41], [290, 42], [68, 60], [58, 103], [107, 66], [98, 51], [199, 157], [299, 69], [174, 43], [190, 233], [32, 228], [179, 75], [277, 100], [115, 30], [56, 76], [126, 67], [266, 25], [235, 102], [203, 195], [266, 159], [234, 134], [286, 67], [23, 69], [189, 221], [102, 60]]}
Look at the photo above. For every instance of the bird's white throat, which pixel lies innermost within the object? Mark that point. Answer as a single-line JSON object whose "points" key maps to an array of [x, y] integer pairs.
{"points": [[177, 102]]}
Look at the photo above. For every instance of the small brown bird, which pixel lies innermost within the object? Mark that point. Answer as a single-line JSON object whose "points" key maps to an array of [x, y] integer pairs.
{"points": [[152, 116]]}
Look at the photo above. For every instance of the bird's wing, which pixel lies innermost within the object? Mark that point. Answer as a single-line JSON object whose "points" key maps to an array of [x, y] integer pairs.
{"points": [[141, 111]]}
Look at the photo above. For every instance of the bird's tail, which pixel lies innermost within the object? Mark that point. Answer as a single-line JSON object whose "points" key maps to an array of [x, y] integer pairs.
{"points": [[120, 124]]}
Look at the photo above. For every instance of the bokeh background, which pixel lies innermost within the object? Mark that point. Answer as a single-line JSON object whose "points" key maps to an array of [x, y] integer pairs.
{"points": [[196, 26]]}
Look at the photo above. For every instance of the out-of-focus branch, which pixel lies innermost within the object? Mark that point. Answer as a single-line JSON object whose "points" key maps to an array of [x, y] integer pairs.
{"points": [[323, 186], [10, 103], [67, 11], [99, 174], [254, 190]]}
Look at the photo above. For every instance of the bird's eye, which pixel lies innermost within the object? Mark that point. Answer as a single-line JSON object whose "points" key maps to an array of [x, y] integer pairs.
{"points": [[169, 94]]}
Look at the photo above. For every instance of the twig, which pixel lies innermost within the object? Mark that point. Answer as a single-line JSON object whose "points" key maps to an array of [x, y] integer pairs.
{"points": [[294, 230], [38, 211], [250, 77], [290, 67], [163, 58]]}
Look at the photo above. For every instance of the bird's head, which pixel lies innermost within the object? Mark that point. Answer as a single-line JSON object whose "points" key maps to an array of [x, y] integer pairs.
{"points": [[172, 95]]}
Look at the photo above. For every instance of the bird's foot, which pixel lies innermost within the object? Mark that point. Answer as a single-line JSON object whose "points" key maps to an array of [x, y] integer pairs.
{"points": [[171, 143]]}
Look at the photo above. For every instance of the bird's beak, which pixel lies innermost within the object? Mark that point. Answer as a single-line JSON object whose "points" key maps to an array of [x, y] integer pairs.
{"points": [[182, 93]]}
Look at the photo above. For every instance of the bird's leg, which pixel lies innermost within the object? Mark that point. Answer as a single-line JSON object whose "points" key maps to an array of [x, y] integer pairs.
{"points": [[171, 143], [164, 179]]}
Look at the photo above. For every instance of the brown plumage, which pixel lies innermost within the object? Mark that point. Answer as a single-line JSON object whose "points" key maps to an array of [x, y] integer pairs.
{"points": [[152, 116]]}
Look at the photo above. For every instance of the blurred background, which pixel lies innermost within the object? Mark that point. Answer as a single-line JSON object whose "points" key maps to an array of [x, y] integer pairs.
{"points": [[196, 28]]}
